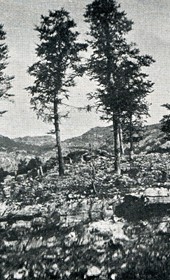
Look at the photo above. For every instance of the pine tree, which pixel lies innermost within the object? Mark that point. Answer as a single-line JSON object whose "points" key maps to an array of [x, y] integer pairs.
{"points": [[56, 69], [5, 80], [116, 66], [137, 87]]}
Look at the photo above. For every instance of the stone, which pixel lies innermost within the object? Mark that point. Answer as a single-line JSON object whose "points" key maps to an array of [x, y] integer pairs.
{"points": [[113, 276], [157, 192], [21, 224], [55, 267], [93, 271], [70, 239], [21, 274], [164, 227], [108, 229], [51, 241]]}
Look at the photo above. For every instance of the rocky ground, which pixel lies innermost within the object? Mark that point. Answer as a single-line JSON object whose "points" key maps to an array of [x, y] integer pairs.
{"points": [[90, 224]]}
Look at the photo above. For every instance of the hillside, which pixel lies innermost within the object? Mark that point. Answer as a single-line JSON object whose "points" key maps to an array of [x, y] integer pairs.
{"points": [[153, 140], [12, 150], [28, 144], [90, 223], [95, 137], [78, 226], [102, 137], [36, 140]]}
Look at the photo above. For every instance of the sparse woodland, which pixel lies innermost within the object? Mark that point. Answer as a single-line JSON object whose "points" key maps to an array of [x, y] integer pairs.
{"points": [[97, 206]]}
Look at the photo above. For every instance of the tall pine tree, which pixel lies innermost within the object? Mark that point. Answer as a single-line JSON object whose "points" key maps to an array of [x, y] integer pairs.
{"points": [[56, 69], [116, 66], [5, 80], [136, 87]]}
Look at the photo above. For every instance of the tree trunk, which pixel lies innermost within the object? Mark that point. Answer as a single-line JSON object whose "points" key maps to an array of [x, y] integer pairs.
{"points": [[116, 144], [58, 141], [130, 139], [121, 140]]}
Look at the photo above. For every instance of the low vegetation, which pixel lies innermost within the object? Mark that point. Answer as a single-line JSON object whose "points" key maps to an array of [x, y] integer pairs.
{"points": [[78, 227]]}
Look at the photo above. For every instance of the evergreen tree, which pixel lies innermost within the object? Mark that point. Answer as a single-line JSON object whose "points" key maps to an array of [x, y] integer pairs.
{"points": [[116, 66], [5, 80], [56, 69], [137, 87]]}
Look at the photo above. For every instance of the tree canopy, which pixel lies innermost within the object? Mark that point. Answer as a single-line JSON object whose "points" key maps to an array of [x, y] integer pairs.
{"points": [[116, 65], [56, 69], [5, 80]]}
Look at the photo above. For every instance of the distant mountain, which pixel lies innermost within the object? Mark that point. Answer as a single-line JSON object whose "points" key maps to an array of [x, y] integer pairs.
{"points": [[6, 143], [152, 140], [28, 144], [96, 137], [12, 150], [36, 140]]}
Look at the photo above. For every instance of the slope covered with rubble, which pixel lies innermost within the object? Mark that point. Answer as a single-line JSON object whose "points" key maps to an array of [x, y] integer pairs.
{"points": [[90, 224]]}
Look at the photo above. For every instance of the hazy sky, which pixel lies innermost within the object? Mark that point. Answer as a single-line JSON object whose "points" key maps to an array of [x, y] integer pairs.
{"points": [[151, 32]]}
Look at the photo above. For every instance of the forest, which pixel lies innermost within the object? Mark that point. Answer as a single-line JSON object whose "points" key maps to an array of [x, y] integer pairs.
{"points": [[95, 206]]}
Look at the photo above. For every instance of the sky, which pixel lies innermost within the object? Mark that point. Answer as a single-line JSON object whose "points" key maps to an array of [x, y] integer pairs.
{"points": [[151, 32]]}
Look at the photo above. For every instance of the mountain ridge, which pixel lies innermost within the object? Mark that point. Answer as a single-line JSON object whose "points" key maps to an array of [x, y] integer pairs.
{"points": [[94, 138], [13, 150]]}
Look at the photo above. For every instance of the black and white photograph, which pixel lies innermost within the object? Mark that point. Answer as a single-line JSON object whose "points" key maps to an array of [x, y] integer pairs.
{"points": [[85, 140]]}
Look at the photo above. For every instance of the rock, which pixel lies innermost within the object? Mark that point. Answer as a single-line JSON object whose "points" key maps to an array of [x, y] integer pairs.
{"points": [[50, 257], [124, 265], [157, 192], [108, 229], [99, 244], [76, 156], [85, 239], [8, 179], [3, 208], [21, 274], [67, 273], [51, 241], [21, 224], [93, 271], [35, 243], [3, 225], [55, 267], [11, 244], [38, 222], [18, 275], [167, 184], [113, 276], [70, 239], [164, 227], [157, 195], [21, 178]]}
